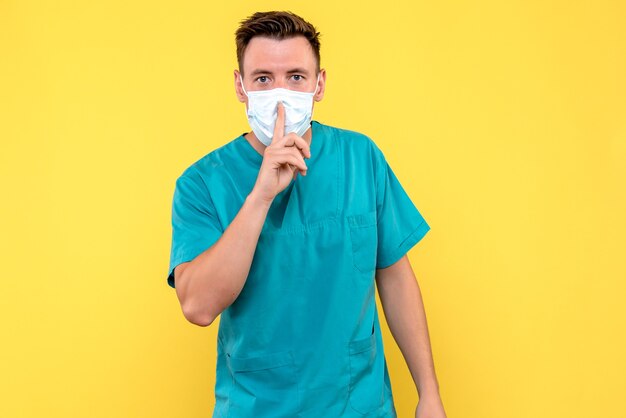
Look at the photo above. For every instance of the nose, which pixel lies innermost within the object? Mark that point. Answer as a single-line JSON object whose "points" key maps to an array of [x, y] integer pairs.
{"points": [[281, 83]]}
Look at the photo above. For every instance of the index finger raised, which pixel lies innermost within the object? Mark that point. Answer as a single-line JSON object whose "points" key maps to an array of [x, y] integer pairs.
{"points": [[279, 127]]}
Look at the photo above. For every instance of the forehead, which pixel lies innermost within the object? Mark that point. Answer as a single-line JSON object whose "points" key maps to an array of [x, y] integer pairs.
{"points": [[278, 55]]}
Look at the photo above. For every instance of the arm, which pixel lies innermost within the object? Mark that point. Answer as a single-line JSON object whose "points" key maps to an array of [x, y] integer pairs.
{"points": [[213, 280], [404, 310]]}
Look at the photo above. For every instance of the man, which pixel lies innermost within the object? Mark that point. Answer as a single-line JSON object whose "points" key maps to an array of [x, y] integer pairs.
{"points": [[284, 232]]}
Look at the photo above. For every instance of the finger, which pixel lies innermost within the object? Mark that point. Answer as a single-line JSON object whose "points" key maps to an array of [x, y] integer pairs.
{"points": [[295, 162], [279, 127], [282, 153], [294, 140]]}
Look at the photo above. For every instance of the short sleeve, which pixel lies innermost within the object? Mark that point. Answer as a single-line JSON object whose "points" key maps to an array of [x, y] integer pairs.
{"points": [[400, 224], [195, 225]]}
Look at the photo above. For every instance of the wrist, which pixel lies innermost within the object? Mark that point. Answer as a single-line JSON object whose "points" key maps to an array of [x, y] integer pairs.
{"points": [[428, 390], [258, 201]]}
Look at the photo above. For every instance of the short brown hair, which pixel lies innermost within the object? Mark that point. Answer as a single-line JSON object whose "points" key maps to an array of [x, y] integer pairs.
{"points": [[277, 25]]}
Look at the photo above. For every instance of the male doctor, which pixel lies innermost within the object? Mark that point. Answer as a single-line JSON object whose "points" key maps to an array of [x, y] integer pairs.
{"points": [[285, 232]]}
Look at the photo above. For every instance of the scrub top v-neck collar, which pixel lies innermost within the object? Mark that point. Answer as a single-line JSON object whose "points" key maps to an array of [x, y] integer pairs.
{"points": [[253, 156]]}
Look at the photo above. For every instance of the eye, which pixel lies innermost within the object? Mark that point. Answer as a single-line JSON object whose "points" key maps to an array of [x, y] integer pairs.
{"points": [[298, 77], [262, 79]]}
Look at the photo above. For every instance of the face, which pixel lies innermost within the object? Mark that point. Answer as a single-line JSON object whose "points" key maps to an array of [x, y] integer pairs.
{"points": [[288, 63]]}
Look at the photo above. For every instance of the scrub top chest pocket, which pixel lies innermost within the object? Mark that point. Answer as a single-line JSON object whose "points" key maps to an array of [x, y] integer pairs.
{"points": [[364, 240]]}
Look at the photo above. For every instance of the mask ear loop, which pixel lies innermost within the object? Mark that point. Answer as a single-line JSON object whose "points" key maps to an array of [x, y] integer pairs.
{"points": [[317, 83], [242, 87]]}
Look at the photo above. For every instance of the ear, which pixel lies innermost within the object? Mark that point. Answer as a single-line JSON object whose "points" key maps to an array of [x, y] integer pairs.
{"points": [[238, 89], [321, 86]]}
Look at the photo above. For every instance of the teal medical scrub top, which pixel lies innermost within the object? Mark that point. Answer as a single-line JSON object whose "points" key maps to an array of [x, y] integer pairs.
{"points": [[303, 337]]}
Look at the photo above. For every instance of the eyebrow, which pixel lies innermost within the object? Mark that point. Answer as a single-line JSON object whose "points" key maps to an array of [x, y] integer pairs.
{"points": [[293, 71]]}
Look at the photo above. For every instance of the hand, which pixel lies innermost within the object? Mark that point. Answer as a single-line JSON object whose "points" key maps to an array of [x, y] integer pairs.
{"points": [[283, 159], [430, 406]]}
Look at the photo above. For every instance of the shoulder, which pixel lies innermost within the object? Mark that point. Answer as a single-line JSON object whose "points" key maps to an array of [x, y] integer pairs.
{"points": [[352, 140], [203, 169], [342, 133], [356, 146]]}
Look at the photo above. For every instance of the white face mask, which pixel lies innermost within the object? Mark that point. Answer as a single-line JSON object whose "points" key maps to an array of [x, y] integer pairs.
{"points": [[262, 111]]}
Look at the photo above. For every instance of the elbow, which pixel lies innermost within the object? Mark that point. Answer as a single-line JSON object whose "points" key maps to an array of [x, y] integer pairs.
{"points": [[197, 312], [202, 318], [204, 321], [199, 307], [194, 311]]}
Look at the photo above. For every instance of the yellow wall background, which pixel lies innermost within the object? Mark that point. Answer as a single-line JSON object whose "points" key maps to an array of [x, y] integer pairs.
{"points": [[504, 120]]}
